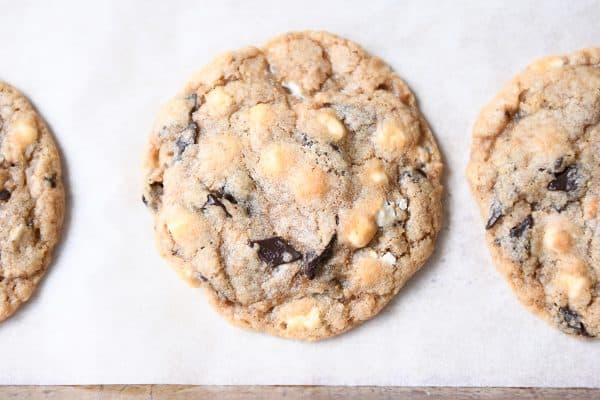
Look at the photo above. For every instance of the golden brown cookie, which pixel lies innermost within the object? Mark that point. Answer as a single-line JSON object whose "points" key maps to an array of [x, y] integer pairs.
{"points": [[534, 171], [31, 199], [298, 183]]}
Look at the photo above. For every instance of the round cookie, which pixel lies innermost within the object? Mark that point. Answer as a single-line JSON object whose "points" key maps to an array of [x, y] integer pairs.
{"points": [[31, 199], [298, 183], [535, 172]]}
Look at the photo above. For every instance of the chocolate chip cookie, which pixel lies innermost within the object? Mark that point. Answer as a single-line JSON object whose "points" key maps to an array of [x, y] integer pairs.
{"points": [[31, 199], [535, 172], [298, 183]]}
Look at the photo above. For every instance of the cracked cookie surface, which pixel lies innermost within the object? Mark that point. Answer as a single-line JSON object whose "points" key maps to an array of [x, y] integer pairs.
{"points": [[534, 171], [31, 199], [298, 183]]}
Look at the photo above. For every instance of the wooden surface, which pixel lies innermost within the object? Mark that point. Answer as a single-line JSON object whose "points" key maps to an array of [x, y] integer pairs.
{"points": [[177, 392]]}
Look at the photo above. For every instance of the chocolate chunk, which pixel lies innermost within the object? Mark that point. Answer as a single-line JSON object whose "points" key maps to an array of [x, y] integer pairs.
{"points": [[4, 195], [495, 215], [517, 231], [227, 196], [421, 172], [276, 251], [187, 137], [51, 180], [573, 321], [155, 192], [564, 181], [212, 199], [313, 262]]}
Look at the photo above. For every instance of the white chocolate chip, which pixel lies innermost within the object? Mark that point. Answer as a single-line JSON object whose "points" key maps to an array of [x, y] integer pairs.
{"points": [[274, 161], [293, 88], [182, 224], [334, 128], [304, 321], [21, 134], [557, 237], [359, 229], [576, 286], [388, 258], [394, 136], [218, 102], [259, 117], [375, 173], [16, 233]]}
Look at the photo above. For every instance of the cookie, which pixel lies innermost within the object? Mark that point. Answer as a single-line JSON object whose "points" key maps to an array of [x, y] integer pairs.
{"points": [[31, 199], [298, 183], [535, 172]]}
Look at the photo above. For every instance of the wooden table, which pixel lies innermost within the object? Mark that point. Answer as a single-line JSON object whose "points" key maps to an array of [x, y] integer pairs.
{"points": [[179, 392]]}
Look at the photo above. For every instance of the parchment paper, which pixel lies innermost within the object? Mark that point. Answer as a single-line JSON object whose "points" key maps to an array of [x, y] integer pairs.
{"points": [[111, 311]]}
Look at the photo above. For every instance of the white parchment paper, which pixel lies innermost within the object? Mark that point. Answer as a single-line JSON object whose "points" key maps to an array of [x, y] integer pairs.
{"points": [[111, 311]]}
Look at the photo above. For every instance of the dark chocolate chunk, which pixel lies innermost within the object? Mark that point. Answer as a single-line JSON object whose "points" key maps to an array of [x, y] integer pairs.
{"points": [[155, 192], [573, 321], [312, 261], [4, 195], [517, 231], [227, 196], [564, 181], [187, 137], [213, 200], [495, 215], [276, 251], [335, 147], [156, 188], [51, 180]]}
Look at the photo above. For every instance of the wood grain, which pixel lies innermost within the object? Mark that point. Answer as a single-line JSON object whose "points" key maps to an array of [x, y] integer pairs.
{"points": [[179, 392]]}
